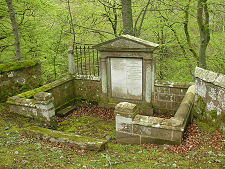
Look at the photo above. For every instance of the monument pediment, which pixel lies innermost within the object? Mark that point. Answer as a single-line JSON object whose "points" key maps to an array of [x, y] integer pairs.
{"points": [[126, 43]]}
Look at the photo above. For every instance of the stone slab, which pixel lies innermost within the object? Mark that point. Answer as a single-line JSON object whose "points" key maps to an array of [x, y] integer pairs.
{"points": [[126, 78], [77, 141]]}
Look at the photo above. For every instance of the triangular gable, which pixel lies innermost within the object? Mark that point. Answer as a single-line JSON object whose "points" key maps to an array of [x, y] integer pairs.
{"points": [[126, 42]]}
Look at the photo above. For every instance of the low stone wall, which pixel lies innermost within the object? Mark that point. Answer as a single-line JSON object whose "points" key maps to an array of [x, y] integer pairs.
{"points": [[132, 128], [43, 101], [210, 97], [168, 96], [18, 77], [88, 88]]}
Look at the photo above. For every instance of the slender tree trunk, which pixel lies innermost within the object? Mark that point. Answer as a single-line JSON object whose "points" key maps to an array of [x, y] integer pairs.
{"points": [[203, 24], [127, 17], [188, 39], [15, 29], [72, 25], [137, 31]]}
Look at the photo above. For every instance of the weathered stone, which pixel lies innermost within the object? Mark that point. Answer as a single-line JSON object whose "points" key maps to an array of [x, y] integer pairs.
{"points": [[127, 69], [153, 129], [210, 97], [77, 141], [220, 81], [142, 130], [168, 96], [211, 77], [71, 61], [186, 104], [127, 138], [17, 77], [60, 93], [151, 140], [43, 96], [126, 109], [124, 124]]}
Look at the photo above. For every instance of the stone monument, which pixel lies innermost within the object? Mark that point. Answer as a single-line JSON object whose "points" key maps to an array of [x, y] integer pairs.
{"points": [[127, 70]]}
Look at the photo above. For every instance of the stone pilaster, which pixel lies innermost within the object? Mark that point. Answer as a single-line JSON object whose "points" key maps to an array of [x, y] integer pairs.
{"points": [[125, 112], [71, 61], [45, 106]]}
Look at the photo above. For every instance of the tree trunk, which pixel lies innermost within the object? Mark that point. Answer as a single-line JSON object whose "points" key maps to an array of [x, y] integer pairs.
{"points": [[72, 25], [15, 29], [203, 24], [127, 17], [188, 38]]}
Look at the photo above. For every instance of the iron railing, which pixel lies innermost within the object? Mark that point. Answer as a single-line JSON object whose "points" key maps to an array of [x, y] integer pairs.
{"points": [[86, 60]]}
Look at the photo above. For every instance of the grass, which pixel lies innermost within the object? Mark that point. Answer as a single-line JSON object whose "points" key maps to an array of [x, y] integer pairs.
{"points": [[18, 151]]}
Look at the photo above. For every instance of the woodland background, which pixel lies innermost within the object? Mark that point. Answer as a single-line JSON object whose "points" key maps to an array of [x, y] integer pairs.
{"points": [[47, 28]]}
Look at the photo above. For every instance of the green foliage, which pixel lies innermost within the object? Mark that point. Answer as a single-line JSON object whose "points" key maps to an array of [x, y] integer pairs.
{"points": [[45, 33]]}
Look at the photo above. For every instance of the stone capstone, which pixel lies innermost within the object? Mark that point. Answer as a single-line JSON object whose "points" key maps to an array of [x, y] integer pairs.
{"points": [[126, 109], [209, 76]]}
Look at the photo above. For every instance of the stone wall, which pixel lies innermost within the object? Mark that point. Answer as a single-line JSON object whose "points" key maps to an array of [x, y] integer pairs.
{"points": [[42, 102], [210, 97], [88, 88], [133, 128], [167, 96], [18, 77]]}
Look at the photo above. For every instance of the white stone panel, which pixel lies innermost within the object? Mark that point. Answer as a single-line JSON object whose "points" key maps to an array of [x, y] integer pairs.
{"points": [[126, 78]]}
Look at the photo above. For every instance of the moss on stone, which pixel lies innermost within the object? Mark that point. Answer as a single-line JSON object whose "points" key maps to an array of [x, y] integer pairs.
{"points": [[65, 104], [47, 87], [213, 114], [201, 104], [88, 126], [222, 117], [57, 136], [17, 65]]}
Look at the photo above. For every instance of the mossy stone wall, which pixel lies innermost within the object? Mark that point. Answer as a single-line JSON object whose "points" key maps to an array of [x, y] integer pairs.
{"points": [[88, 89], [210, 97], [18, 77]]}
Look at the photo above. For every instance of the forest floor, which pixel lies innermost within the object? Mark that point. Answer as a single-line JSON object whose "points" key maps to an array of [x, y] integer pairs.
{"points": [[202, 146]]}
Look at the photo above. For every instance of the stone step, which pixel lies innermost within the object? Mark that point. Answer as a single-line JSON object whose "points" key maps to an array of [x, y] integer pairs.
{"points": [[66, 111], [77, 141]]}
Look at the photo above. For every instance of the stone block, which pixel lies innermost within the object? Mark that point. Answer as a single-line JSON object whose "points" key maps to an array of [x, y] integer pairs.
{"points": [[159, 133], [126, 109], [166, 97], [45, 105], [159, 104], [178, 98], [175, 91], [151, 140], [127, 138], [142, 130], [169, 105], [43, 96], [124, 124]]}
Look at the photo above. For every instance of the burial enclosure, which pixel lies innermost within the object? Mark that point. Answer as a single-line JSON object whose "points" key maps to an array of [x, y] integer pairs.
{"points": [[127, 82]]}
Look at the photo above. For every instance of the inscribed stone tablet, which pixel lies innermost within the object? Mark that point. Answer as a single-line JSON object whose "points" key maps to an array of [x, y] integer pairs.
{"points": [[126, 78]]}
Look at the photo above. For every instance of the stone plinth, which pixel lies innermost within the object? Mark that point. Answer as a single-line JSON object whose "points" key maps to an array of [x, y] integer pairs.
{"points": [[45, 105]]}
